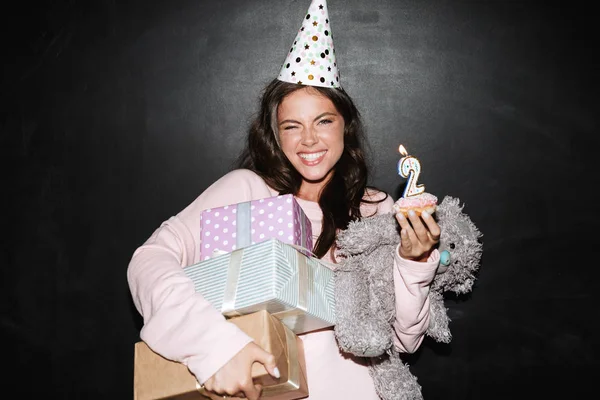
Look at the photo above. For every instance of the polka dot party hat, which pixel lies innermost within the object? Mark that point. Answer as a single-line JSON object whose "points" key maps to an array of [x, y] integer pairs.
{"points": [[311, 59]]}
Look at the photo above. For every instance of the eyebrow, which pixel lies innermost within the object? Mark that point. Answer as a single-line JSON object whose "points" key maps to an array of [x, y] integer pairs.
{"points": [[316, 118]]}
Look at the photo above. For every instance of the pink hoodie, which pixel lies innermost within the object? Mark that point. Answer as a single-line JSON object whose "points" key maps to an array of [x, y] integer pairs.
{"points": [[182, 326]]}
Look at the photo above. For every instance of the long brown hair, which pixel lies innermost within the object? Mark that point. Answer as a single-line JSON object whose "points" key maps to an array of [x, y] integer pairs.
{"points": [[343, 194]]}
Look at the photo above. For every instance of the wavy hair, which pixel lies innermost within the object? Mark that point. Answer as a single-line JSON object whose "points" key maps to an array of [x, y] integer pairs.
{"points": [[342, 195]]}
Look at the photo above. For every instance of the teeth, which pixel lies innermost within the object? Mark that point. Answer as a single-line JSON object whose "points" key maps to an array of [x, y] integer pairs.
{"points": [[312, 156]]}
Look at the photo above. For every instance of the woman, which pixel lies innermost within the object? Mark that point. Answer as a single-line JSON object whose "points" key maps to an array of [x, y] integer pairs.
{"points": [[306, 140]]}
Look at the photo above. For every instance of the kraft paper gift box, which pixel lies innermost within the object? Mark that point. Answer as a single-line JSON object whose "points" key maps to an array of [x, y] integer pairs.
{"points": [[232, 227], [272, 276], [156, 377]]}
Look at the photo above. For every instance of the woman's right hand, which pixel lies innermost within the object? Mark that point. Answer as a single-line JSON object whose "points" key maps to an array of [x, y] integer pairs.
{"points": [[235, 377], [419, 235]]}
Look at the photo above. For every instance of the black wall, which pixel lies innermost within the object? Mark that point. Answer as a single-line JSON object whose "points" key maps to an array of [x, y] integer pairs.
{"points": [[116, 115]]}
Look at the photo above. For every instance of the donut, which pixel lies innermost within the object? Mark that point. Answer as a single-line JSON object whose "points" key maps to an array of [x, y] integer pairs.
{"points": [[418, 203]]}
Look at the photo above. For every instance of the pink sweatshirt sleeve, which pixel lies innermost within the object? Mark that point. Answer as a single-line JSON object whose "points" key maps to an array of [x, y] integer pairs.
{"points": [[179, 323], [411, 280]]}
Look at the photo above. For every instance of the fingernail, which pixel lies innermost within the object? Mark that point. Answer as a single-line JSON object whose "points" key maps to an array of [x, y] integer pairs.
{"points": [[276, 372], [400, 216], [411, 213], [425, 214]]}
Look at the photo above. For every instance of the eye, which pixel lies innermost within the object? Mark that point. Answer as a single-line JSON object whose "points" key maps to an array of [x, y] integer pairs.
{"points": [[325, 121], [289, 127]]}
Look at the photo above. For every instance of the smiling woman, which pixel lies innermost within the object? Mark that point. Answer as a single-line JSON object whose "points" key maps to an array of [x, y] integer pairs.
{"points": [[307, 140], [311, 133]]}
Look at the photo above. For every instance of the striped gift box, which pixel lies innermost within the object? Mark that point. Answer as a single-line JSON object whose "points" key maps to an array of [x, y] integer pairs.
{"points": [[272, 276]]}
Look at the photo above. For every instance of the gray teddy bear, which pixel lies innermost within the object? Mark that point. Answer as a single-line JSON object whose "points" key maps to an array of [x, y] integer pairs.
{"points": [[364, 291]]}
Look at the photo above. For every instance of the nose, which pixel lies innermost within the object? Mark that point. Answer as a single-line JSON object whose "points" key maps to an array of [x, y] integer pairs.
{"points": [[309, 137]]}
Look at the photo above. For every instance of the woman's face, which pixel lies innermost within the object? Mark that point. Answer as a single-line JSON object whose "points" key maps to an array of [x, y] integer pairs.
{"points": [[311, 133]]}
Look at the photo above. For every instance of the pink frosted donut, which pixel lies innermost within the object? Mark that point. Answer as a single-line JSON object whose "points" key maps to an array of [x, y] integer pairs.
{"points": [[419, 203]]}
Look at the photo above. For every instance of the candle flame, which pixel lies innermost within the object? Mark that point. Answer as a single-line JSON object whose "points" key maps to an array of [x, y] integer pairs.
{"points": [[402, 150]]}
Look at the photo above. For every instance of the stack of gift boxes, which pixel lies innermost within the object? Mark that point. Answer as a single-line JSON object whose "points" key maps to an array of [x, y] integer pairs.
{"points": [[256, 268]]}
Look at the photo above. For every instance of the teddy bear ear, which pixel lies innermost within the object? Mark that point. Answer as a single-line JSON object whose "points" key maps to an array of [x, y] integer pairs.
{"points": [[460, 248]]}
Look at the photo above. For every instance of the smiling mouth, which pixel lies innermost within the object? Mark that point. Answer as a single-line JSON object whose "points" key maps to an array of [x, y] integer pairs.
{"points": [[312, 158]]}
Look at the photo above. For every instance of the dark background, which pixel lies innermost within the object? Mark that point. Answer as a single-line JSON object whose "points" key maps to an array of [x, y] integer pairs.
{"points": [[116, 115]]}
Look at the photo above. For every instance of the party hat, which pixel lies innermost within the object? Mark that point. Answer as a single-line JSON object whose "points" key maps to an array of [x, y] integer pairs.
{"points": [[311, 59]]}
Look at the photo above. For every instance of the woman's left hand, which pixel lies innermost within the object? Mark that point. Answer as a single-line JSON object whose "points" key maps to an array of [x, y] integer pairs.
{"points": [[419, 235]]}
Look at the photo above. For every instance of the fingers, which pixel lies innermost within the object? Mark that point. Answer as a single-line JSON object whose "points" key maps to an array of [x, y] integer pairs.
{"points": [[209, 384], [418, 236], [433, 229], [405, 243], [250, 393], [412, 228], [268, 360], [418, 227], [234, 379], [415, 227], [406, 246], [257, 390], [402, 221], [218, 394], [215, 396], [250, 390], [210, 394], [244, 390]]}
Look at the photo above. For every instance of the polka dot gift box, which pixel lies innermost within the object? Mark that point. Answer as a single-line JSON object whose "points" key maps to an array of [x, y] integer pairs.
{"points": [[225, 229]]}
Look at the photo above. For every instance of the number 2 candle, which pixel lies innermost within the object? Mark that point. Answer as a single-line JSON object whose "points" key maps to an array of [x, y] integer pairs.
{"points": [[410, 167]]}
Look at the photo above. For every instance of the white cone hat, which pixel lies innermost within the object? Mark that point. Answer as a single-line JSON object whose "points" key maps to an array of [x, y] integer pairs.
{"points": [[311, 58]]}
